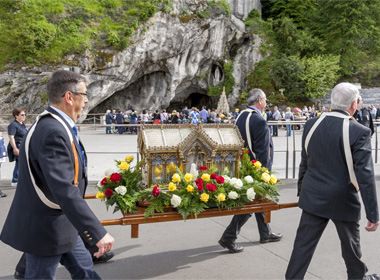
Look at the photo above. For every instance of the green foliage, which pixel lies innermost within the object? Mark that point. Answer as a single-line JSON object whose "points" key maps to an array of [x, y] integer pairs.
{"points": [[44, 97], [260, 76], [215, 8], [320, 73]]}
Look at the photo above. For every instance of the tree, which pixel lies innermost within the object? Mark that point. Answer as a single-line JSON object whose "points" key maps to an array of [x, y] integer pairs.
{"points": [[350, 28], [319, 74]]}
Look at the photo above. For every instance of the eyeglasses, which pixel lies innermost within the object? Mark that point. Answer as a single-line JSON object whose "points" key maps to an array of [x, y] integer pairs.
{"points": [[359, 100], [81, 93], [22, 115]]}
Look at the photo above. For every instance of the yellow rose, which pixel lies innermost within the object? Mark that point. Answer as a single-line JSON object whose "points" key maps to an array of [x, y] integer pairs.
{"points": [[206, 177], [129, 159], [176, 177], [172, 187], [257, 164], [204, 197], [123, 166], [264, 169], [273, 179], [265, 177], [221, 197], [99, 195], [190, 188], [189, 177]]}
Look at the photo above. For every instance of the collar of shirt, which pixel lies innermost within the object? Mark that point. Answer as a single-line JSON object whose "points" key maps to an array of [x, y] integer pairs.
{"points": [[254, 108], [66, 117]]}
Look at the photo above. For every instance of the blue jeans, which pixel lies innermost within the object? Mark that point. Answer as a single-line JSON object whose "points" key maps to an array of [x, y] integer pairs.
{"points": [[289, 129], [78, 262], [15, 171], [108, 130]]}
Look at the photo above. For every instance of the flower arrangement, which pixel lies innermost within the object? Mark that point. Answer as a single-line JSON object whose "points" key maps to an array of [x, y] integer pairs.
{"points": [[190, 193], [121, 186]]}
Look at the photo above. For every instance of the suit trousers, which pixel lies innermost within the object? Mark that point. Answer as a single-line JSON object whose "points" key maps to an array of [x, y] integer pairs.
{"points": [[310, 231], [238, 221], [78, 262]]}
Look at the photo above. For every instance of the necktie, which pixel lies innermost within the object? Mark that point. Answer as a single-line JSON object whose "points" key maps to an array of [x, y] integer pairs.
{"points": [[75, 130]]}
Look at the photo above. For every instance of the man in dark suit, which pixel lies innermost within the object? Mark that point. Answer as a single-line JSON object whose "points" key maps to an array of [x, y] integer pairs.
{"points": [[260, 146], [48, 218], [328, 186], [363, 116]]}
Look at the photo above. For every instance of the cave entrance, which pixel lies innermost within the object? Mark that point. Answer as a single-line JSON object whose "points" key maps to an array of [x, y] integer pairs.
{"points": [[195, 99]]}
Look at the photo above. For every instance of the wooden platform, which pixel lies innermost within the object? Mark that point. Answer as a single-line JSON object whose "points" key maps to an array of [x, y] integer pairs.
{"points": [[171, 214]]}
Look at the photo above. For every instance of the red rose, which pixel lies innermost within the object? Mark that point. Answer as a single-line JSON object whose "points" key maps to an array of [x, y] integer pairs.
{"points": [[211, 187], [104, 182], [199, 183], [108, 193], [220, 179], [202, 168], [156, 190], [253, 161], [115, 177], [213, 176], [247, 151]]}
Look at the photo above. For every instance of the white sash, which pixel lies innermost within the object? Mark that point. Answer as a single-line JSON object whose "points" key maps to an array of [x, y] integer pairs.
{"points": [[247, 131], [346, 142], [40, 194]]}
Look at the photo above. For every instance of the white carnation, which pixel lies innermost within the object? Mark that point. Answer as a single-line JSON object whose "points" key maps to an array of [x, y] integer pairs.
{"points": [[175, 201], [251, 194], [109, 172], [233, 195], [122, 190], [249, 179], [237, 183]]}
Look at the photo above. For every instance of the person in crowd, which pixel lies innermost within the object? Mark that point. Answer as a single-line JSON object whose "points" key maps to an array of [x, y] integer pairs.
{"points": [[120, 120], [144, 117], [194, 115], [48, 218], [288, 117], [16, 132], [185, 113], [304, 110], [235, 114], [156, 117], [275, 117], [313, 113], [347, 162], [175, 117], [373, 111], [269, 117], [363, 116], [218, 119], [164, 116], [260, 148], [204, 114], [3, 156], [212, 116], [133, 120], [109, 120]]}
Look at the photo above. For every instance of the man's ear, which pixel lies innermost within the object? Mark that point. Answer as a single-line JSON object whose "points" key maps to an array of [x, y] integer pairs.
{"points": [[68, 98]]}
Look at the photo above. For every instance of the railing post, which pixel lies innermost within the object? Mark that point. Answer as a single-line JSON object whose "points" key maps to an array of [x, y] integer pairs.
{"points": [[376, 144], [287, 156], [294, 153], [95, 122]]}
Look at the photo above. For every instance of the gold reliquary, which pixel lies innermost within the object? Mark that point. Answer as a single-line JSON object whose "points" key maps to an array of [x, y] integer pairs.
{"points": [[166, 147]]}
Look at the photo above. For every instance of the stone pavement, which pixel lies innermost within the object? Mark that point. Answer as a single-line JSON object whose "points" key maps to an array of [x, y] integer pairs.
{"points": [[189, 250]]}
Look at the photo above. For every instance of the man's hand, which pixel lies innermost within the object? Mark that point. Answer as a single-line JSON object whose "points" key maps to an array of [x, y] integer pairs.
{"points": [[371, 226], [105, 245]]}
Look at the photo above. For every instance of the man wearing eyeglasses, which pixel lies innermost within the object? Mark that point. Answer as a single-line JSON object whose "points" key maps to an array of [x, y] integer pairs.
{"points": [[48, 218], [259, 143], [363, 116]]}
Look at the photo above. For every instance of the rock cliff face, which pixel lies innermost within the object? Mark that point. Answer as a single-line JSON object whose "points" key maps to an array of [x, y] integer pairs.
{"points": [[169, 66]]}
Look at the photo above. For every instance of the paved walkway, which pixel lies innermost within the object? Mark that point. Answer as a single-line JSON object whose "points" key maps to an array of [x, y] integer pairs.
{"points": [[189, 250]]}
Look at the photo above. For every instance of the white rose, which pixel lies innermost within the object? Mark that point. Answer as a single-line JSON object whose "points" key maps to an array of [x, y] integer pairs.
{"points": [[251, 194], [175, 201], [122, 190], [249, 179], [237, 183], [99, 185], [109, 172], [233, 195], [226, 179]]}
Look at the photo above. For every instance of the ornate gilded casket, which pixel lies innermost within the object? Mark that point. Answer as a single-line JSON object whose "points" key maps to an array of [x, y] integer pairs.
{"points": [[166, 147]]}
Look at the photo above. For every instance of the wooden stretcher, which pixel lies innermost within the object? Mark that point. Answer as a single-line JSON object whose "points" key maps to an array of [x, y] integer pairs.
{"points": [[171, 214]]}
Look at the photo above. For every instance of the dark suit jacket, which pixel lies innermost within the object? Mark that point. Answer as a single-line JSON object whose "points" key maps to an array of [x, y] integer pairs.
{"points": [[33, 227], [261, 140], [365, 119], [324, 185]]}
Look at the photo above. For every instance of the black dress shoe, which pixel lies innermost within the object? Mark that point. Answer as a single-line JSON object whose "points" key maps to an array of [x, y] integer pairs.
{"points": [[231, 246], [19, 275], [105, 258], [371, 277], [273, 237]]}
